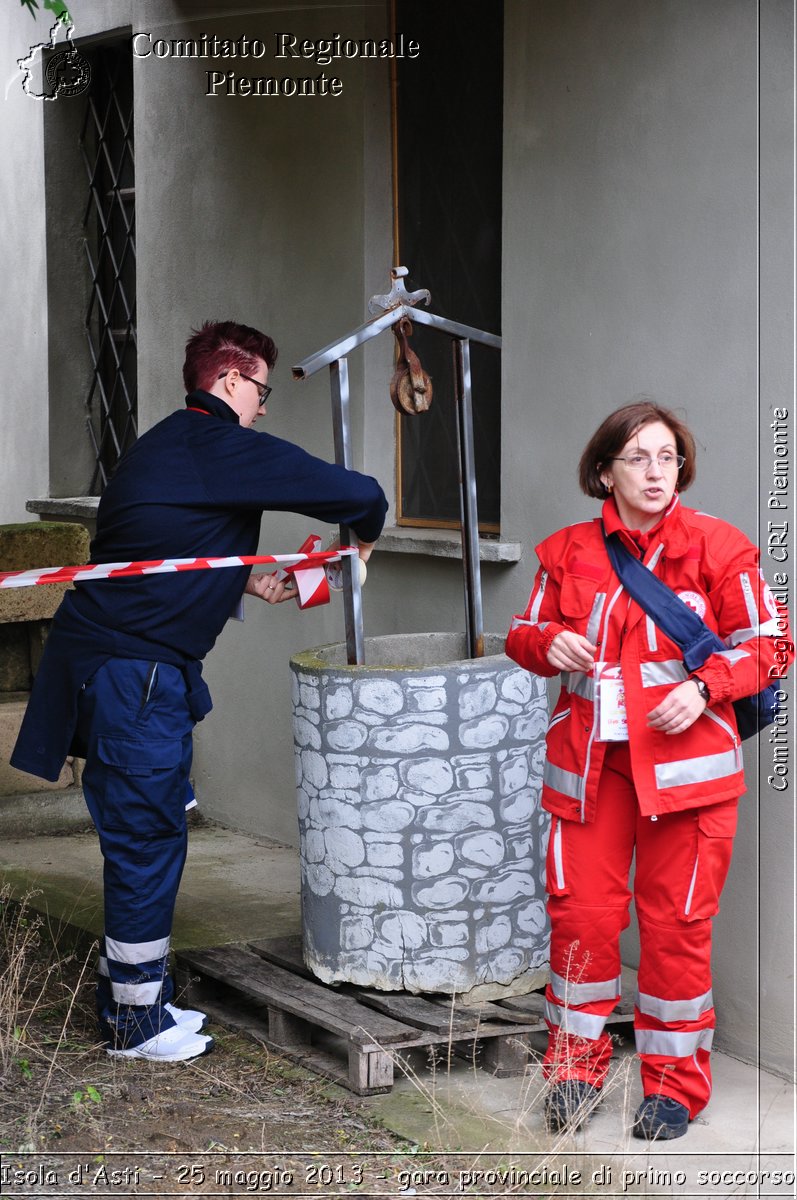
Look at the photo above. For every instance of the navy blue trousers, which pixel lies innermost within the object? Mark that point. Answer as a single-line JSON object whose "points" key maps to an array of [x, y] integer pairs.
{"points": [[134, 720]]}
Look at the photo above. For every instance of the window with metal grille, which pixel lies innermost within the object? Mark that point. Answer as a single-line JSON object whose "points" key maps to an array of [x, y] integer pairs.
{"points": [[106, 144], [448, 118]]}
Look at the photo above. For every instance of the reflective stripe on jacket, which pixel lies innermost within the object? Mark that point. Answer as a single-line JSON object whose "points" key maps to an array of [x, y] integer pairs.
{"points": [[714, 568]]}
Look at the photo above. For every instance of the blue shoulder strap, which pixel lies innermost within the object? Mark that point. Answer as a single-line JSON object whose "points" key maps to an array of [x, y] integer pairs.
{"points": [[676, 619]]}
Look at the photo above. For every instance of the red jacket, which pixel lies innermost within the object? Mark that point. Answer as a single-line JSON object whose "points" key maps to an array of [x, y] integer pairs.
{"points": [[714, 568]]}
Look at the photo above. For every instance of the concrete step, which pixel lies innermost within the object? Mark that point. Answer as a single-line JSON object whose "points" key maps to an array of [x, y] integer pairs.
{"points": [[36, 814], [13, 782]]}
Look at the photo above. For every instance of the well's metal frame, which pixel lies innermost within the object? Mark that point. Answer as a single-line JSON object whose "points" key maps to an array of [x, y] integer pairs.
{"points": [[396, 305]]}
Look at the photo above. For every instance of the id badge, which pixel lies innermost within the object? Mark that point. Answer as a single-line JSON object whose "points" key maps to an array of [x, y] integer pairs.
{"points": [[610, 698]]}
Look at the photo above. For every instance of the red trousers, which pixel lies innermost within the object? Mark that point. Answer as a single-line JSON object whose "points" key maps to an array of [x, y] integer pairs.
{"points": [[682, 861]]}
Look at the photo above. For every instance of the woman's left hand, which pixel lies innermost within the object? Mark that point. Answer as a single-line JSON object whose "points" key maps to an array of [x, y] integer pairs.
{"points": [[678, 710], [271, 589]]}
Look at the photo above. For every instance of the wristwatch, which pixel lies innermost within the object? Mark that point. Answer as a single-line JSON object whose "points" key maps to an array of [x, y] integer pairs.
{"points": [[701, 687]]}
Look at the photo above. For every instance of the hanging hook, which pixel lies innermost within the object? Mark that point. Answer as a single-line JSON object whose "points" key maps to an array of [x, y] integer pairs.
{"points": [[398, 294]]}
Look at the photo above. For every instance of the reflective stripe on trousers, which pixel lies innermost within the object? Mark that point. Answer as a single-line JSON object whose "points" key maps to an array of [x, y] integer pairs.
{"points": [[583, 1025], [667, 1044], [568, 992], [681, 861], [133, 717]]}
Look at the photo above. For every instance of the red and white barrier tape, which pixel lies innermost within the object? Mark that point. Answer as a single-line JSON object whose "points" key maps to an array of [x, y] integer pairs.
{"points": [[311, 582], [292, 564]]}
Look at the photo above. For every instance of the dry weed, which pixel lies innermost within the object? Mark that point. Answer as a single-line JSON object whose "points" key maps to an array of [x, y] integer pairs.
{"points": [[60, 1092]]}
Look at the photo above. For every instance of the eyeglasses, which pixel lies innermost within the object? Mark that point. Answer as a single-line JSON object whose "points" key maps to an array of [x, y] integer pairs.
{"points": [[264, 391], [642, 462]]}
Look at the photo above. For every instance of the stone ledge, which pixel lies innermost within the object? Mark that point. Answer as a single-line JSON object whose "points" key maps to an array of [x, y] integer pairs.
{"points": [[83, 507], [444, 543], [30, 544], [397, 539]]}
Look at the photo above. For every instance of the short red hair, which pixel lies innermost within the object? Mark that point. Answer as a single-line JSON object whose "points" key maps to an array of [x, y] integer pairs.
{"points": [[220, 346]]}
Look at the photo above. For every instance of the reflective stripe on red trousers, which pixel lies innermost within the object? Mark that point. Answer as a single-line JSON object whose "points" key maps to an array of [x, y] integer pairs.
{"points": [[682, 860]]}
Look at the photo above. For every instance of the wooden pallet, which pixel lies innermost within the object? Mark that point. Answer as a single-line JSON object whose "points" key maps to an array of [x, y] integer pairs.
{"points": [[265, 988]]}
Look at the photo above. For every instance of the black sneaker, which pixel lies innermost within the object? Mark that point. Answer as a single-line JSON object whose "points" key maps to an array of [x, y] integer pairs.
{"points": [[660, 1118], [569, 1104]]}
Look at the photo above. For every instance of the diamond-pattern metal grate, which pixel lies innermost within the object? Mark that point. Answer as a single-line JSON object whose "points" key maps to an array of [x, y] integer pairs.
{"points": [[106, 144]]}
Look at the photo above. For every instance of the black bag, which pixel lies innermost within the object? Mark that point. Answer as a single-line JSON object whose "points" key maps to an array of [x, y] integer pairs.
{"points": [[684, 627]]}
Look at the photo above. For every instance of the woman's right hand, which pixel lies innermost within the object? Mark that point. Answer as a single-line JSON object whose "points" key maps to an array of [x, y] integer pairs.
{"points": [[364, 549], [571, 652]]}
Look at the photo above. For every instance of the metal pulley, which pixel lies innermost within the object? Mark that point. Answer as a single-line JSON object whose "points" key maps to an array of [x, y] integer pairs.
{"points": [[410, 387]]}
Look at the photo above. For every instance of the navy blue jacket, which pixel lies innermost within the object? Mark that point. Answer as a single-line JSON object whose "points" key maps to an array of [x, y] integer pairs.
{"points": [[195, 485]]}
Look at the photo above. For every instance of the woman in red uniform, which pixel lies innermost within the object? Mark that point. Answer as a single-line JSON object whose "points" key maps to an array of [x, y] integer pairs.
{"points": [[642, 758]]}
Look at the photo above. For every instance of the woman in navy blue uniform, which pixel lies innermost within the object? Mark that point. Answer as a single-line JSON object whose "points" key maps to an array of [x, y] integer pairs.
{"points": [[120, 681]]}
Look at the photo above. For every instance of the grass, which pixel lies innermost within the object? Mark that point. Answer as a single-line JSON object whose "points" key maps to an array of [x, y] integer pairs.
{"points": [[60, 1093], [40, 1032]]}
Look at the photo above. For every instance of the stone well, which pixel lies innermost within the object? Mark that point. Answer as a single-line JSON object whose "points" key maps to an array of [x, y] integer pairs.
{"points": [[421, 836]]}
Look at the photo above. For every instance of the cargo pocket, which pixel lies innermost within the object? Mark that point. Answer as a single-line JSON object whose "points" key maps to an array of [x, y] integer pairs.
{"points": [[556, 719], [143, 784], [555, 874], [715, 829]]}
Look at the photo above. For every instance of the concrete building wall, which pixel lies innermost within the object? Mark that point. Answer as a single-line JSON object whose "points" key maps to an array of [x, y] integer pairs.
{"points": [[631, 232], [767, 859], [23, 329]]}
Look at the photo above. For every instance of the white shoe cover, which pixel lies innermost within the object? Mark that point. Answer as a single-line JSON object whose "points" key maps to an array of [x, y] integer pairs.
{"points": [[172, 1045], [189, 1019]]}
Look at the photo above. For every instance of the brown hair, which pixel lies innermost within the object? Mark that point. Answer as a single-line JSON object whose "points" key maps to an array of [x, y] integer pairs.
{"points": [[609, 438]]}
